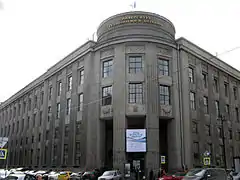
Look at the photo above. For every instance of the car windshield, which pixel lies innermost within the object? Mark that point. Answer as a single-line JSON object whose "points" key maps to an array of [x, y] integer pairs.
{"points": [[195, 172], [108, 173]]}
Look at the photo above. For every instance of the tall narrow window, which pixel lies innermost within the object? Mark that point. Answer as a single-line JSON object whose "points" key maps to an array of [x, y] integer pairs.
{"points": [[191, 75], [68, 106], [230, 134], [227, 109], [204, 80], [29, 104], [35, 101], [235, 93], [135, 64], [220, 134], [42, 96], [50, 93], [24, 107], [217, 108], [237, 114], [163, 67], [69, 83], [208, 130], [65, 153], [215, 84], [135, 93], [59, 88], [40, 118], [192, 101], [77, 153], [205, 103], [81, 76], [58, 110], [107, 68], [49, 109], [107, 95], [19, 109], [34, 120], [80, 102], [66, 130], [194, 127], [226, 89], [164, 94]]}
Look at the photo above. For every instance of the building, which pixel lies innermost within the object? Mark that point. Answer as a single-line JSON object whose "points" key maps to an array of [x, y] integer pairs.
{"points": [[136, 76]]}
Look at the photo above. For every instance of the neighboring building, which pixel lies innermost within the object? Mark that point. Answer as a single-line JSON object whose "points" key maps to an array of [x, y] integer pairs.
{"points": [[136, 76]]}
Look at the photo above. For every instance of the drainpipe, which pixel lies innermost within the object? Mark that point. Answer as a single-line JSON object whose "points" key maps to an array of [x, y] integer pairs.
{"points": [[180, 106]]}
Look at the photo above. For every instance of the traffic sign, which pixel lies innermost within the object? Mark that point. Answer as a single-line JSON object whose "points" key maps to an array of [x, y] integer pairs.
{"points": [[163, 159], [207, 161], [3, 153]]}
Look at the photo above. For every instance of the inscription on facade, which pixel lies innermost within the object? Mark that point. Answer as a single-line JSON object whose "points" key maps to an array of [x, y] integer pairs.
{"points": [[136, 19]]}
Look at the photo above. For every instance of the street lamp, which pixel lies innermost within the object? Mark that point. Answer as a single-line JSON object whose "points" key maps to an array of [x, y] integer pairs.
{"points": [[222, 119]]}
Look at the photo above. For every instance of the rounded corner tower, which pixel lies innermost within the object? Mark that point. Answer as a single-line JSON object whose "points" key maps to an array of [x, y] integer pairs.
{"points": [[136, 24]]}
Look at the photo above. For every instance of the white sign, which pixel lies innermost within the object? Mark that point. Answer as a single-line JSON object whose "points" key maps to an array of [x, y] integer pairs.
{"points": [[136, 140], [163, 159], [3, 141]]}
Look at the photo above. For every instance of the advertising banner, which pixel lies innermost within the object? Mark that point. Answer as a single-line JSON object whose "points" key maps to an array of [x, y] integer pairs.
{"points": [[136, 140]]}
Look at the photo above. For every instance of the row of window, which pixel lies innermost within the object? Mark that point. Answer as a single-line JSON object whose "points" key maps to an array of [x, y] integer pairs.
{"points": [[215, 83], [219, 130], [26, 157], [206, 107]]}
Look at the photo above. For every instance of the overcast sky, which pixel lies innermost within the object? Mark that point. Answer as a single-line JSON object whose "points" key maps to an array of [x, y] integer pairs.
{"points": [[35, 34]]}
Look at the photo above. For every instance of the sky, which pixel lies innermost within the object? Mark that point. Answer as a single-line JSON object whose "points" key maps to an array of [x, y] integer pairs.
{"points": [[36, 34]]}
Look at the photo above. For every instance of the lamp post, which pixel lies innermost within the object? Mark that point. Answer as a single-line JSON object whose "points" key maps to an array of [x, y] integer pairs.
{"points": [[222, 119]]}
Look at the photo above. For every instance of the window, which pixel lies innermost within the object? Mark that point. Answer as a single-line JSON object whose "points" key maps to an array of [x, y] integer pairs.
{"points": [[58, 110], [205, 81], [32, 139], [235, 94], [49, 117], [47, 135], [49, 109], [192, 101], [34, 120], [135, 93], [209, 148], [217, 109], [17, 126], [78, 130], [237, 114], [56, 133], [135, 64], [164, 95], [35, 101], [29, 104], [107, 95], [59, 88], [38, 156], [50, 93], [205, 104], [230, 134], [227, 109], [77, 153], [42, 95], [163, 67], [40, 118], [28, 122], [215, 84], [68, 106], [39, 137], [220, 134], [80, 102], [194, 127], [65, 154], [81, 76], [24, 107], [208, 130], [226, 89], [19, 109], [26, 140], [66, 131], [69, 83], [107, 68], [191, 75]]}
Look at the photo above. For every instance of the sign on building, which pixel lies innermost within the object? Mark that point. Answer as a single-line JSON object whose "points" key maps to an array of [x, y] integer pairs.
{"points": [[3, 153], [163, 159], [207, 161]]}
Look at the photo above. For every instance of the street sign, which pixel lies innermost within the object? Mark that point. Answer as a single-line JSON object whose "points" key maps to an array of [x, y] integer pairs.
{"points": [[3, 153], [207, 161], [3, 141], [163, 159]]}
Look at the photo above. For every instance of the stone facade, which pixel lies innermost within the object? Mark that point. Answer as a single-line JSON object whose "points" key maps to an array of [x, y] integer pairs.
{"points": [[58, 120]]}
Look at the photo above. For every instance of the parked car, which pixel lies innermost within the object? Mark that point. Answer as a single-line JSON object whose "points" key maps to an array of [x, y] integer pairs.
{"points": [[111, 175], [206, 174], [89, 175], [65, 175], [20, 176], [76, 176], [173, 176]]}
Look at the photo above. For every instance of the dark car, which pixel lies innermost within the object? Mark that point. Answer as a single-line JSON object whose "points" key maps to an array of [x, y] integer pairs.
{"points": [[206, 174]]}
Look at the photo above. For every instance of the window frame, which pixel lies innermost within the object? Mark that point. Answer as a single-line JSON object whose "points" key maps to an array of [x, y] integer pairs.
{"points": [[161, 67], [106, 98], [136, 94], [166, 101], [135, 69], [192, 101], [107, 71]]}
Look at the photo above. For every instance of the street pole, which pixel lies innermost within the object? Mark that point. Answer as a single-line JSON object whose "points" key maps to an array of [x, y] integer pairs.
{"points": [[223, 141]]}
